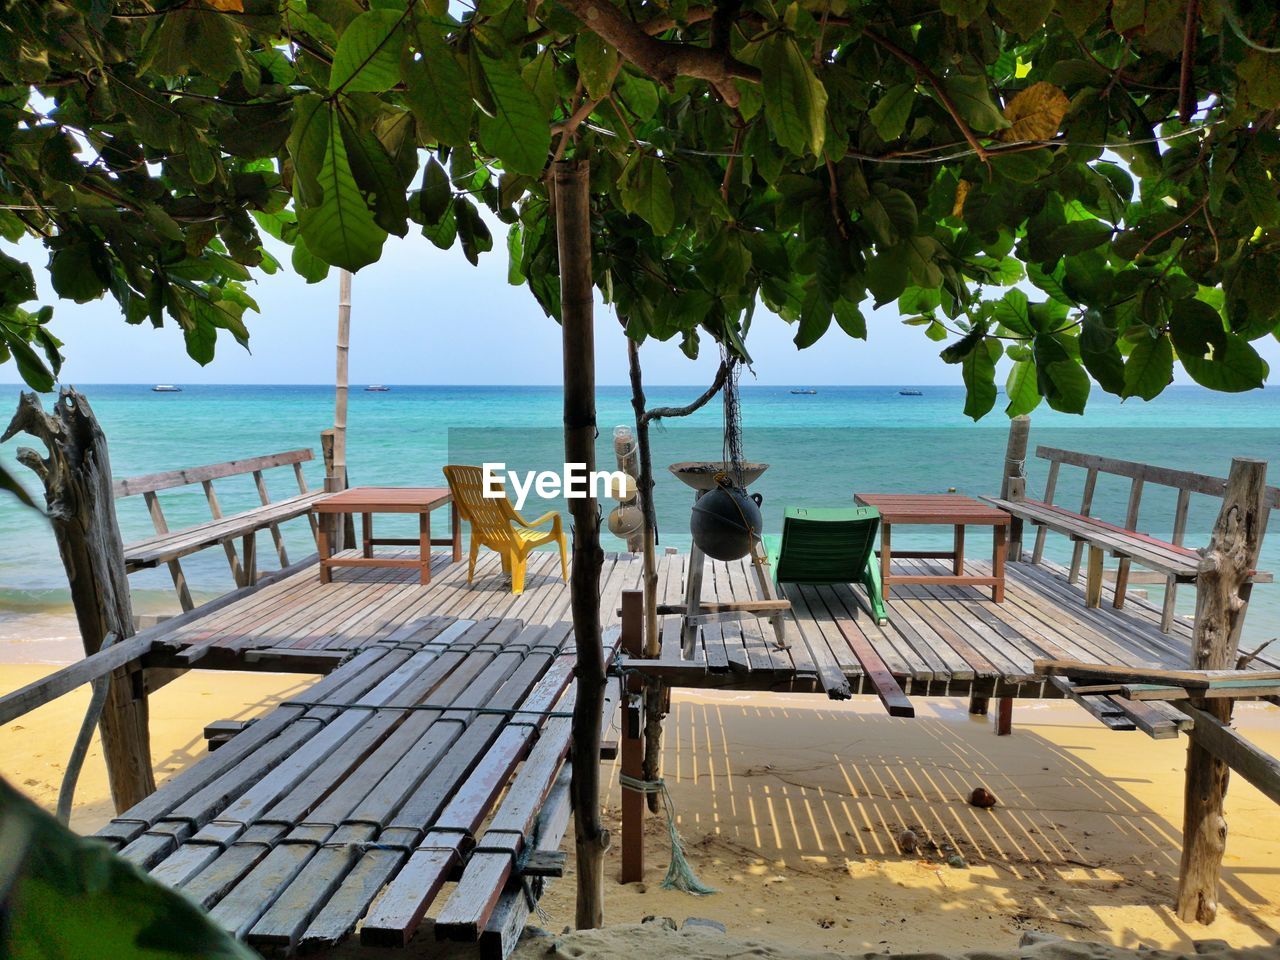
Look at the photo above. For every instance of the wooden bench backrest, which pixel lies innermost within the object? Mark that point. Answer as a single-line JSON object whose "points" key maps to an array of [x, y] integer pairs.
{"points": [[1147, 473], [151, 482]]}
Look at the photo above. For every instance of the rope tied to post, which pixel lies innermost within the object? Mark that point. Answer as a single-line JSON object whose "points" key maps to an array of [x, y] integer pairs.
{"points": [[680, 875]]}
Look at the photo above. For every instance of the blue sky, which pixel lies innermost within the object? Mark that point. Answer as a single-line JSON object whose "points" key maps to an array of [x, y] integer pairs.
{"points": [[423, 315]]}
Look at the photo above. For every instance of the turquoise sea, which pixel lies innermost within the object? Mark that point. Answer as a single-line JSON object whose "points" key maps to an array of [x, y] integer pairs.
{"points": [[822, 448]]}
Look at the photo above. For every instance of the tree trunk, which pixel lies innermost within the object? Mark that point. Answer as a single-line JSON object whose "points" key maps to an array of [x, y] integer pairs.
{"points": [[337, 478], [653, 692], [573, 234], [1231, 554], [77, 483]]}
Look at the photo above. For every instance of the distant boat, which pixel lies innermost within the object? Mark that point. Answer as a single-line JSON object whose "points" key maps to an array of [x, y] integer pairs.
{"points": [[165, 388], [376, 388], [804, 393], [910, 393]]}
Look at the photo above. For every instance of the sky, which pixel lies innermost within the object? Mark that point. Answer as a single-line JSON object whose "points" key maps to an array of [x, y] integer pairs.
{"points": [[426, 316]]}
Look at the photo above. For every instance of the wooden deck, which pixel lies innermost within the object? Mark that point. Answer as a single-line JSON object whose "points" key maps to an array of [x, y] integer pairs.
{"points": [[436, 753], [939, 641]]}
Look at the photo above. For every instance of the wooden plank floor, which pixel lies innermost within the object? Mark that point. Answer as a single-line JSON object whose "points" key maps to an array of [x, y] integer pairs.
{"points": [[940, 640], [376, 786]]}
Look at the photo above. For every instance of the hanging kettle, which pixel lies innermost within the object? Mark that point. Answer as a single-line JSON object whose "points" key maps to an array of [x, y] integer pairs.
{"points": [[725, 521]]}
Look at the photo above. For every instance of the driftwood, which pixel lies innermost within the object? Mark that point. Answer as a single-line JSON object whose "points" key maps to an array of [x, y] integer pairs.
{"points": [[1221, 599], [77, 480], [572, 184]]}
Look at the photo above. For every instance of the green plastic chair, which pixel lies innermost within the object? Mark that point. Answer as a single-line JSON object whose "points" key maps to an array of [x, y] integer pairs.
{"points": [[829, 545]]}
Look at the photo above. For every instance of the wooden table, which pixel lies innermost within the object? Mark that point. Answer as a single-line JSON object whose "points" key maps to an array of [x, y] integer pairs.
{"points": [[942, 509], [367, 501]]}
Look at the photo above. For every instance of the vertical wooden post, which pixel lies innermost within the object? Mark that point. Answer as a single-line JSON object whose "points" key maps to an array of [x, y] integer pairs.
{"points": [[571, 183], [1220, 602], [77, 483], [337, 478], [1004, 716], [345, 520], [1013, 481], [634, 720]]}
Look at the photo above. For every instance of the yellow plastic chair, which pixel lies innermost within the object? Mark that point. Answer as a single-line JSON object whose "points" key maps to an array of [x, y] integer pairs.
{"points": [[496, 525]]}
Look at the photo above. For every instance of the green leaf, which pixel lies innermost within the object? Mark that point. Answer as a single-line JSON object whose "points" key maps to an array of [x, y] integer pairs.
{"points": [[473, 232], [888, 274], [972, 97], [1024, 16], [597, 64], [518, 133], [973, 340], [1013, 313], [849, 318], [78, 273], [1261, 75], [436, 193], [1080, 15], [1149, 368], [1061, 380], [31, 368], [1214, 357], [1078, 236], [1258, 187], [1022, 389], [1100, 354], [341, 230], [307, 143], [646, 192], [893, 110], [376, 176], [795, 101], [815, 318], [437, 89], [979, 371], [965, 11], [368, 53]]}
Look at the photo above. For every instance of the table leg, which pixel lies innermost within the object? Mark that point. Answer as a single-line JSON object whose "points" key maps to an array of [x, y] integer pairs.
{"points": [[322, 547], [366, 524], [999, 552], [957, 562], [455, 529], [424, 546], [250, 551], [884, 558]]}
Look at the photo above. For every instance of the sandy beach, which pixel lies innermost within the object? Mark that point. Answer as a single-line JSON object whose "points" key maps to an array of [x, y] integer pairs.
{"points": [[796, 823]]}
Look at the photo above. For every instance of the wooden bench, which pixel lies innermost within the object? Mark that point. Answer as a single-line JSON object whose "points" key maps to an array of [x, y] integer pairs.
{"points": [[169, 546], [1172, 560]]}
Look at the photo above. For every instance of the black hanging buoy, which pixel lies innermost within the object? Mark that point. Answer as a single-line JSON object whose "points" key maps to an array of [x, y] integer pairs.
{"points": [[724, 522]]}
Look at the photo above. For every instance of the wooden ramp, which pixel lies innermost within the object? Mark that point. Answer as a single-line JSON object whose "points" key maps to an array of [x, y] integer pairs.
{"points": [[435, 753]]}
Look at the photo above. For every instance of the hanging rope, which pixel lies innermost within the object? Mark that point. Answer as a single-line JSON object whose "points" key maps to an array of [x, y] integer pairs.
{"points": [[680, 875]]}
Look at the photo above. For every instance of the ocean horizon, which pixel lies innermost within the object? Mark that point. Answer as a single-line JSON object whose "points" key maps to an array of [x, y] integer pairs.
{"points": [[822, 448]]}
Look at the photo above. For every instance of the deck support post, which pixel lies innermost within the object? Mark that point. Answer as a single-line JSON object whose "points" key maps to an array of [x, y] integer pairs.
{"points": [[77, 483], [1004, 716], [334, 483], [635, 716], [1013, 482], [571, 183], [1221, 599], [978, 705]]}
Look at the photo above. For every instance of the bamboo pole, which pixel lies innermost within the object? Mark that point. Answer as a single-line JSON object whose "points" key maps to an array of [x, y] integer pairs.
{"points": [[1220, 603], [571, 182], [337, 477]]}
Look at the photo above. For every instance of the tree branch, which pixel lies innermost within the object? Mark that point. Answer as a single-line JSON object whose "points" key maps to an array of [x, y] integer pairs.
{"points": [[1186, 88], [658, 413], [924, 73], [662, 60]]}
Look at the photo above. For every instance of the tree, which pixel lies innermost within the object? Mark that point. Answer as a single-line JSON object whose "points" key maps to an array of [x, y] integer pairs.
{"points": [[807, 156]]}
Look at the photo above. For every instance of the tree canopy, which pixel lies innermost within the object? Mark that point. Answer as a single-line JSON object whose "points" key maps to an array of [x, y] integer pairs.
{"points": [[1112, 157]]}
